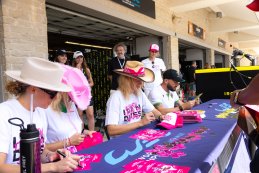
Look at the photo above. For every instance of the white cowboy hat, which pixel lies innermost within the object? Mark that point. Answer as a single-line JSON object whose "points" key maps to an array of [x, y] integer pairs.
{"points": [[136, 69], [40, 73]]}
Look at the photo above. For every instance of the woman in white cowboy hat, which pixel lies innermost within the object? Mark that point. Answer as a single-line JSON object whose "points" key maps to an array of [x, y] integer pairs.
{"points": [[126, 104], [34, 87]]}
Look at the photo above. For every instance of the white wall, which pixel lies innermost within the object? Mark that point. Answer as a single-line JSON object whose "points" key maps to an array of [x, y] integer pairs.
{"points": [[143, 43]]}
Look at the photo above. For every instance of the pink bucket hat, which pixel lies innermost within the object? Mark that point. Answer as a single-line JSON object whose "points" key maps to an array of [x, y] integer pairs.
{"points": [[81, 91], [171, 121]]}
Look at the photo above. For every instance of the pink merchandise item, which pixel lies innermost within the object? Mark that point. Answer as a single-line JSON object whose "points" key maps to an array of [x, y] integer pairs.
{"points": [[152, 166], [89, 142], [190, 116], [86, 160], [171, 121], [80, 90], [149, 134]]}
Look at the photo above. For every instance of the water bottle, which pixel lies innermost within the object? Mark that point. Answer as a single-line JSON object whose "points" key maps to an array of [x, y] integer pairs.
{"points": [[30, 146]]}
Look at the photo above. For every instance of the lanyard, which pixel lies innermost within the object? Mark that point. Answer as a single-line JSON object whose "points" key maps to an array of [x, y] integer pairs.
{"points": [[121, 65]]}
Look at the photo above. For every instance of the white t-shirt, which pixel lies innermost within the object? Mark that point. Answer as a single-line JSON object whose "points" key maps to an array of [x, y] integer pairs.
{"points": [[10, 134], [121, 111], [157, 67], [62, 125], [159, 96]]}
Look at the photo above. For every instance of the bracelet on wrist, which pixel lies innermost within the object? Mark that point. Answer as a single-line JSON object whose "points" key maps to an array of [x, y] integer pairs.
{"points": [[47, 159]]}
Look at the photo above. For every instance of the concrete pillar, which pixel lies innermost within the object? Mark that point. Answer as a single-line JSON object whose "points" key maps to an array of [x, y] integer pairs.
{"points": [[227, 60], [23, 33], [171, 52], [210, 56]]}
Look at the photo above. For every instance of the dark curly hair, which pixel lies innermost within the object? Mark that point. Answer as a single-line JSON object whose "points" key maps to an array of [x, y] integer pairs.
{"points": [[16, 88]]}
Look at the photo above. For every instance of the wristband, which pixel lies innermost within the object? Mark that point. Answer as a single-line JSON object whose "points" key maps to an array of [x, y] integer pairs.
{"points": [[180, 107]]}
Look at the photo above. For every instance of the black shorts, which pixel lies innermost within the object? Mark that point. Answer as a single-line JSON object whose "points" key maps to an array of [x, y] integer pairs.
{"points": [[91, 102]]}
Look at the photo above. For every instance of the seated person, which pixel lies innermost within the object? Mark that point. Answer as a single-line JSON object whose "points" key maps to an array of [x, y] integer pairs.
{"points": [[65, 127], [33, 94], [164, 96], [126, 104]]}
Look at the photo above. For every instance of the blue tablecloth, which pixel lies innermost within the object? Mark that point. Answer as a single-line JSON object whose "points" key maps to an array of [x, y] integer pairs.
{"points": [[200, 156]]}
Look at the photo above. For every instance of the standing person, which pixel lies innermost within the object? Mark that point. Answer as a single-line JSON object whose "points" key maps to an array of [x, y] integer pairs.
{"points": [[155, 64], [248, 95], [80, 63], [164, 96], [37, 83], [61, 56], [191, 79], [125, 105], [117, 62]]}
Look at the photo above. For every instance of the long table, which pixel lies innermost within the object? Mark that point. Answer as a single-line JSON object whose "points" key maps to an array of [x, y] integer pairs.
{"points": [[210, 146]]}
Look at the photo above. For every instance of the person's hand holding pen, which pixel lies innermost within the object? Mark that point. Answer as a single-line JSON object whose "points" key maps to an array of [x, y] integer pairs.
{"points": [[149, 117], [65, 162], [70, 159]]}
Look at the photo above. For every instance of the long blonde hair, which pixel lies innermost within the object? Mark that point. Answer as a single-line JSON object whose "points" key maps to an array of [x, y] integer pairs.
{"points": [[127, 86], [61, 99]]}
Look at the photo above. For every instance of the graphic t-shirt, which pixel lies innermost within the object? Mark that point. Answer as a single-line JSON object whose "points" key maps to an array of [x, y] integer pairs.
{"points": [[121, 111], [159, 96], [157, 67], [10, 134], [62, 125]]}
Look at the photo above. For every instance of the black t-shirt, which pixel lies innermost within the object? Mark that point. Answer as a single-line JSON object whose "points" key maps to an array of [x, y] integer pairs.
{"points": [[190, 73], [115, 64]]}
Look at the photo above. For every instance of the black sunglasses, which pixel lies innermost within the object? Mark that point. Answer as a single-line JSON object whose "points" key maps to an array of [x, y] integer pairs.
{"points": [[153, 64], [51, 94]]}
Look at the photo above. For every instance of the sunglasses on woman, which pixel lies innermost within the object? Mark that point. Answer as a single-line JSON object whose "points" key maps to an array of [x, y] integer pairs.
{"points": [[51, 94]]}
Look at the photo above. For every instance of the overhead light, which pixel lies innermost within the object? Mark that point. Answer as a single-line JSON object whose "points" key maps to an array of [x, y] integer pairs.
{"points": [[87, 45]]}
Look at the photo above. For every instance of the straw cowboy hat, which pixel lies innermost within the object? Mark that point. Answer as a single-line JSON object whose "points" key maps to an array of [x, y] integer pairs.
{"points": [[136, 69], [80, 89], [40, 73]]}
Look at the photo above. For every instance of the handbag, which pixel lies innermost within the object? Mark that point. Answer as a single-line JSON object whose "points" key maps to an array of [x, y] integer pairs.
{"points": [[248, 121]]}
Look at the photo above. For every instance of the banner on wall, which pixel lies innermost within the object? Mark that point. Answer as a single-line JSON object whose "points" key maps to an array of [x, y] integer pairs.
{"points": [[221, 43], [146, 7], [196, 31]]}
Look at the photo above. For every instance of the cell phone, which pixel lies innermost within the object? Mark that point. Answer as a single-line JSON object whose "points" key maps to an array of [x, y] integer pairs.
{"points": [[198, 96]]}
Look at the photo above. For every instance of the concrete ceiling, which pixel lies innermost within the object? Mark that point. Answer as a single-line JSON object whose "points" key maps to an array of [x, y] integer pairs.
{"points": [[241, 23]]}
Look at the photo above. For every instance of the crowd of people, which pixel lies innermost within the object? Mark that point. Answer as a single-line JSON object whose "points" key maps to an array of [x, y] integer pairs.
{"points": [[141, 92]]}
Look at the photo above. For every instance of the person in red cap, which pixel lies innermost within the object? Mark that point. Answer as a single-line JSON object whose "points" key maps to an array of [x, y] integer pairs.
{"points": [[155, 64]]}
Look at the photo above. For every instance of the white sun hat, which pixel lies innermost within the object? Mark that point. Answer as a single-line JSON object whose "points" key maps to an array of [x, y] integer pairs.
{"points": [[40, 73]]}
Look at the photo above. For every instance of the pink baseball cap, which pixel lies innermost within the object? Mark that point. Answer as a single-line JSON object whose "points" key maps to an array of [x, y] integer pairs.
{"points": [[154, 47], [81, 91], [171, 121]]}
